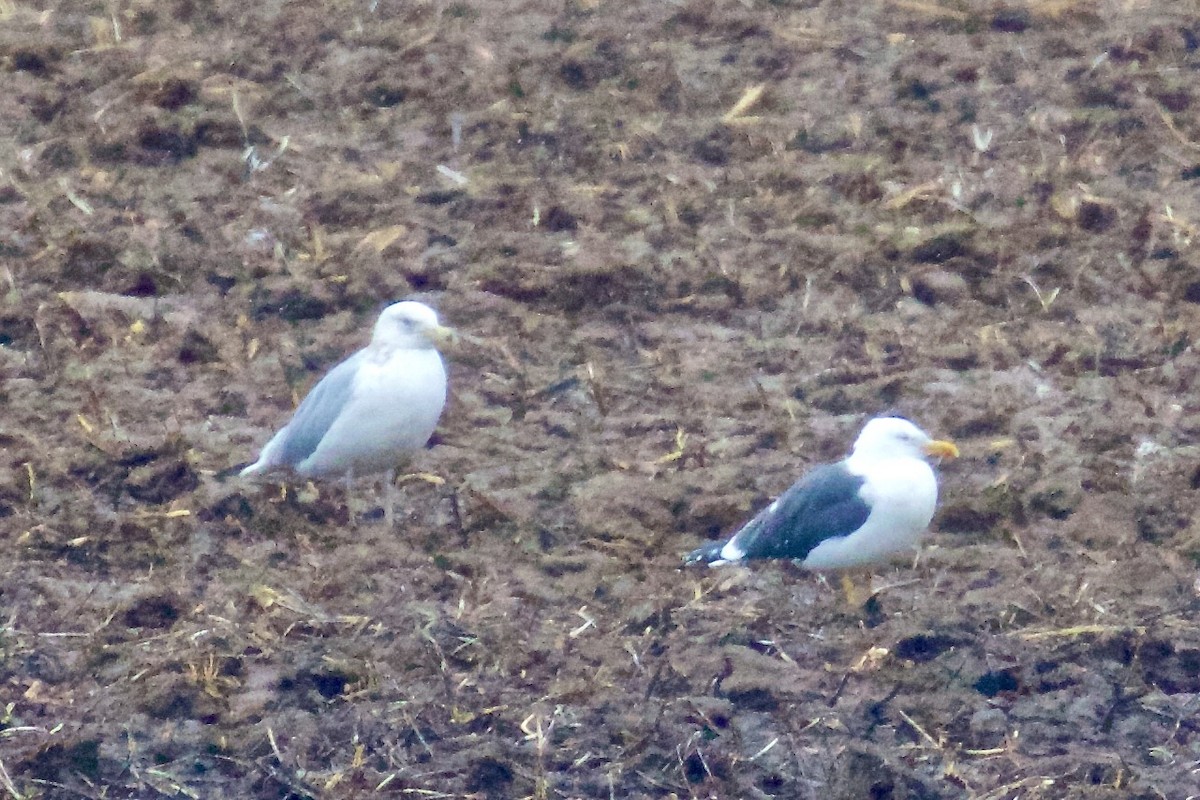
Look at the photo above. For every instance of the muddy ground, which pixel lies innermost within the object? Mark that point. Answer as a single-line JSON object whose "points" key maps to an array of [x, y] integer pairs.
{"points": [[692, 246]]}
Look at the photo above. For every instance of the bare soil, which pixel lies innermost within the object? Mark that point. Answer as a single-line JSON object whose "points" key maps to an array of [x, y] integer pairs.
{"points": [[692, 246]]}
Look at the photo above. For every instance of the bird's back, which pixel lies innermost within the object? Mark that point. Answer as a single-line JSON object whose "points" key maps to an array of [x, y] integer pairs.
{"points": [[823, 504], [310, 422]]}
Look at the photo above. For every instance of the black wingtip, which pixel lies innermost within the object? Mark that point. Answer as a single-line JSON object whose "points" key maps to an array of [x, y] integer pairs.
{"points": [[705, 555], [229, 472]]}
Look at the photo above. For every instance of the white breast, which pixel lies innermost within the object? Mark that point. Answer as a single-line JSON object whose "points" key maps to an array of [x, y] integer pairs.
{"points": [[902, 493]]}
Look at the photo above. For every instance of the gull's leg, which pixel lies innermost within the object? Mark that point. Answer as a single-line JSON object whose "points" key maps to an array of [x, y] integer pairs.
{"points": [[349, 480], [853, 595], [850, 592], [389, 498], [858, 588]]}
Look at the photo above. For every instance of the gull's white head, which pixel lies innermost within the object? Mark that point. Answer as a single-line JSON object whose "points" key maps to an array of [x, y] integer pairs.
{"points": [[895, 437], [410, 325]]}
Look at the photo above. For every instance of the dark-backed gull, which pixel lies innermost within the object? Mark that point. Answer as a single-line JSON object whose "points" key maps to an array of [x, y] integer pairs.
{"points": [[872, 505]]}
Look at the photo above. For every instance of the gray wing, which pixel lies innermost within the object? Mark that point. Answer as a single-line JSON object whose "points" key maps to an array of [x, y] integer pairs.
{"points": [[824, 504], [317, 412]]}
